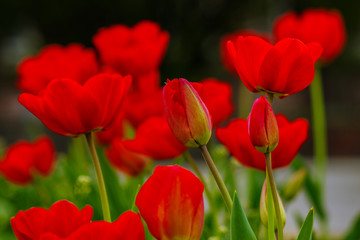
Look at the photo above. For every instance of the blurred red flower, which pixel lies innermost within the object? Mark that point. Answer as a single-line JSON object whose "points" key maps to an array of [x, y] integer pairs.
{"points": [[54, 61], [140, 105], [217, 96], [24, 159], [70, 109], [314, 25], [186, 113], [130, 162], [171, 203], [292, 136], [155, 139], [283, 69], [224, 53], [64, 221], [136, 51]]}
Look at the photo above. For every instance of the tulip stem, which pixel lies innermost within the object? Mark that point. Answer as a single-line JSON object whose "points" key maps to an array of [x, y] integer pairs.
{"points": [[99, 176], [219, 181], [274, 195], [319, 127]]}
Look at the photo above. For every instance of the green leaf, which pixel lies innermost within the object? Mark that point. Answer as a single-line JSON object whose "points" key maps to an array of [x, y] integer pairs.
{"points": [[354, 232], [239, 225], [306, 228]]}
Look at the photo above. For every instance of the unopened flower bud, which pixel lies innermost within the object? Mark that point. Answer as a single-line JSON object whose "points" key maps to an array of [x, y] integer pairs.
{"points": [[294, 185], [186, 113], [264, 211], [262, 126]]}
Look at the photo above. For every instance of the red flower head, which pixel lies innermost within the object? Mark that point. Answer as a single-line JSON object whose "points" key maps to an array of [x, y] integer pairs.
{"points": [[283, 69], [262, 126], [155, 139], [225, 56], [140, 105], [314, 25], [62, 219], [136, 51], [171, 203], [292, 136], [130, 162], [23, 159], [217, 97], [54, 61], [186, 113], [68, 108]]}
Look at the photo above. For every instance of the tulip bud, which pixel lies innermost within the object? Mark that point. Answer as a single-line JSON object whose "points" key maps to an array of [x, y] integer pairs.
{"points": [[262, 126], [294, 185], [186, 113], [264, 211]]}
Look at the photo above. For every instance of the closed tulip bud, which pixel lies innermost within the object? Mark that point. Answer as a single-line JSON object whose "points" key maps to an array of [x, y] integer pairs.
{"points": [[262, 126], [294, 185], [186, 113], [264, 210]]}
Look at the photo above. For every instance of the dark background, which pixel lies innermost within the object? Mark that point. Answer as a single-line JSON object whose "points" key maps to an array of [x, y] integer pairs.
{"points": [[195, 29]]}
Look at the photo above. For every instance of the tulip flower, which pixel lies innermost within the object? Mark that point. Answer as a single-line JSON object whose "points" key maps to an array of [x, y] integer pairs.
{"points": [[225, 56], [262, 126], [314, 25], [280, 70], [24, 159], [71, 109], [54, 61], [186, 113], [63, 221], [171, 203], [155, 139], [134, 50], [292, 135], [130, 162]]}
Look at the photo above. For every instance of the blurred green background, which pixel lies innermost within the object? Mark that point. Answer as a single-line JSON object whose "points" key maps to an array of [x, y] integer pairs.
{"points": [[195, 28]]}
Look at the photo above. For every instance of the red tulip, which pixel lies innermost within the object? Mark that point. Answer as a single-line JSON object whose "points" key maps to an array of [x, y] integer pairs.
{"points": [[115, 130], [68, 108], [140, 105], [136, 51], [314, 25], [130, 162], [283, 69], [292, 136], [62, 219], [262, 126], [54, 61], [217, 97], [225, 56], [186, 113], [24, 159], [155, 139], [171, 203]]}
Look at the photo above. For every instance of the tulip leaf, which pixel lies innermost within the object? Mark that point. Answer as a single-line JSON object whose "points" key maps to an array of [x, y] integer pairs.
{"points": [[240, 228], [354, 231], [306, 228]]}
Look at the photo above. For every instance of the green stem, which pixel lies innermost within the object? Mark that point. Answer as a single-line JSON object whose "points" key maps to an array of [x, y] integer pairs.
{"points": [[270, 210], [245, 98], [274, 195], [270, 98], [99, 176], [199, 174], [221, 185], [319, 127]]}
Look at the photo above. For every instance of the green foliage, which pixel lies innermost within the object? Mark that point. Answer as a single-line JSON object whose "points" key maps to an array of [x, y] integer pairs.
{"points": [[306, 229]]}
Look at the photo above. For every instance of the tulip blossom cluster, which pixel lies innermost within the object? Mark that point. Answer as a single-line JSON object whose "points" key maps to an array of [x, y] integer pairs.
{"points": [[115, 93]]}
